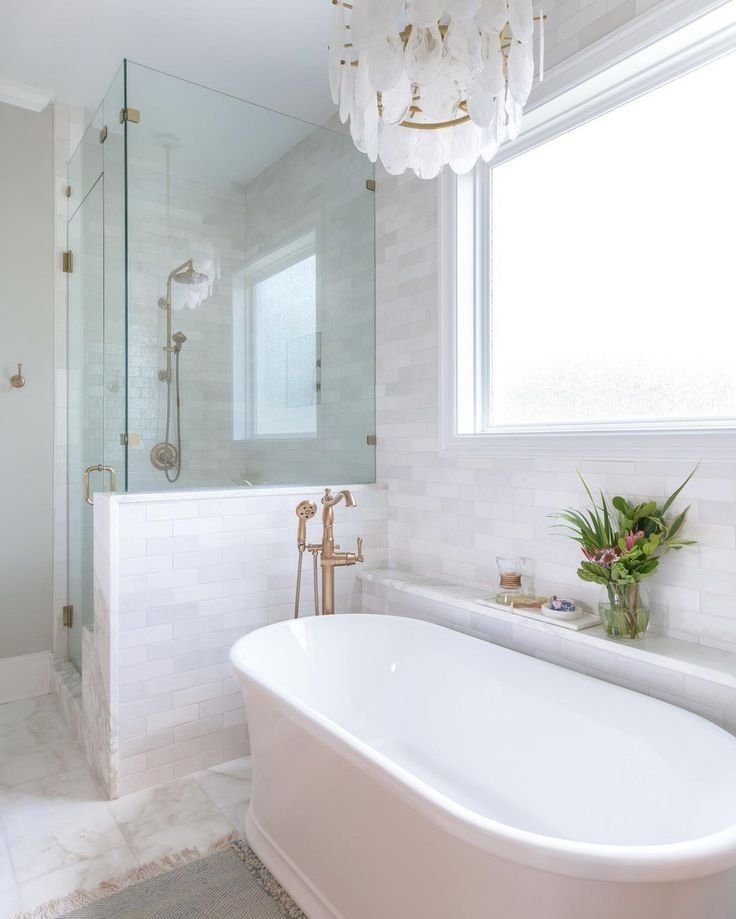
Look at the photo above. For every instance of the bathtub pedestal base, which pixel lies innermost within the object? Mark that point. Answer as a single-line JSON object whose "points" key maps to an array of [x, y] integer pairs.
{"points": [[285, 872]]}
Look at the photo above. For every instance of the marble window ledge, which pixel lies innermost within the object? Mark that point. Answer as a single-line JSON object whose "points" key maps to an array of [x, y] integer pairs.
{"points": [[695, 662]]}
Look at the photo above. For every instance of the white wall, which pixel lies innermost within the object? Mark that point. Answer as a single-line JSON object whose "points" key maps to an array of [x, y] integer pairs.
{"points": [[572, 25], [451, 515], [26, 415]]}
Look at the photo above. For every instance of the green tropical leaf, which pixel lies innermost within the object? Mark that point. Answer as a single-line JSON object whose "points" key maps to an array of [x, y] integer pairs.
{"points": [[667, 504]]}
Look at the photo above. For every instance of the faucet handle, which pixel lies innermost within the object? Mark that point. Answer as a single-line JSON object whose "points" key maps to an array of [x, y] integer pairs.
{"points": [[359, 553]]}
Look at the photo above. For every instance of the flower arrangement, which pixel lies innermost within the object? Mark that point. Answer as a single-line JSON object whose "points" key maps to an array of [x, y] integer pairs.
{"points": [[622, 544]]}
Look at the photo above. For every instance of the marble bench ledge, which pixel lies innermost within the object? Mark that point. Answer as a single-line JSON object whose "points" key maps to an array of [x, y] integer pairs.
{"points": [[694, 676]]}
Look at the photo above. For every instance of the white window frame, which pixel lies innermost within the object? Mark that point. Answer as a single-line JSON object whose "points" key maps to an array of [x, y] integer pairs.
{"points": [[243, 338], [652, 50]]}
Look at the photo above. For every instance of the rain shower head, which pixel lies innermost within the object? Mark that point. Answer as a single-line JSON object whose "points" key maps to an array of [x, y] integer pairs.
{"points": [[188, 275]]}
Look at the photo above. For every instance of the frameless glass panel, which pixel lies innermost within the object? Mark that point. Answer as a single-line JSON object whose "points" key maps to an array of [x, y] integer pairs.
{"points": [[268, 336], [96, 339], [85, 400], [114, 395], [85, 166]]}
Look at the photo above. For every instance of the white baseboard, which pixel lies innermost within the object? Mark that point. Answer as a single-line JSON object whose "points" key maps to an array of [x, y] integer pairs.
{"points": [[25, 676]]}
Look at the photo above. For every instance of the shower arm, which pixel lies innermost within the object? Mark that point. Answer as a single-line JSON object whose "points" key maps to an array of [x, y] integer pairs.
{"points": [[165, 304]]}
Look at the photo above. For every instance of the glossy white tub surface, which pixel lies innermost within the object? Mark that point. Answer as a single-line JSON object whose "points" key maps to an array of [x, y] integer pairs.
{"points": [[405, 770]]}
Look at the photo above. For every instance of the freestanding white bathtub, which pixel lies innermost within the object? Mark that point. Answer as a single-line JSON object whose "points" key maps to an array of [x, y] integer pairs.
{"points": [[405, 771]]}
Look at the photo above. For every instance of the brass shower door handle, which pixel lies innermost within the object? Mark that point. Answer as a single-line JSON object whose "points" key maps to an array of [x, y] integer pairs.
{"points": [[85, 479]]}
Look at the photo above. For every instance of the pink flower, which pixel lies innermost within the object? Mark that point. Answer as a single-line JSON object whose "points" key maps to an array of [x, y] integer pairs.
{"points": [[604, 557], [631, 539]]}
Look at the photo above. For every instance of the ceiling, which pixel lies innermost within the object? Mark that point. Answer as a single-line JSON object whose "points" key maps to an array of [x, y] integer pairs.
{"points": [[272, 53]]}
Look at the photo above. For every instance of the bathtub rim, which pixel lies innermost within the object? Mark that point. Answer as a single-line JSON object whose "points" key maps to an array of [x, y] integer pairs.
{"points": [[667, 862]]}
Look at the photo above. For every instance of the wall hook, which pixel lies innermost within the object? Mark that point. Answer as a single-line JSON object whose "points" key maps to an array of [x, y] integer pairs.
{"points": [[18, 381]]}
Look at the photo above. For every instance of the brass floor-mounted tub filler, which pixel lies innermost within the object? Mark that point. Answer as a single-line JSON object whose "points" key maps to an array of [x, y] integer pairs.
{"points": [[323, 553]]}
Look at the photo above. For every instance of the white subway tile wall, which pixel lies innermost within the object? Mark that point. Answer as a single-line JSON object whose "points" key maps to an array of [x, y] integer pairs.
{"points": [[194, 574], [572, 25], [451, 515]]}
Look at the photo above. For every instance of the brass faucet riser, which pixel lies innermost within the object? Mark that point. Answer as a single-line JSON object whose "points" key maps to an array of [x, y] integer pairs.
{"points": [[329, 558]]}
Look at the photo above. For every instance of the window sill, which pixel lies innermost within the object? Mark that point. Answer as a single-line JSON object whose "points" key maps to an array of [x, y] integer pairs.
{"points": [[692, 676], [691, 444]]}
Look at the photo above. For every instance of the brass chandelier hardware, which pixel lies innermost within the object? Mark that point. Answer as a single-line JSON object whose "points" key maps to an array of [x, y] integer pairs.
{"points": [[462, 69]]}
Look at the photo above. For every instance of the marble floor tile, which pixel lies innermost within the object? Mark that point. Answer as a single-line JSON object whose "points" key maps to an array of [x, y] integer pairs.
{"points": [[10, 902], [227, 783], [14, 712], [59, 834], [235, 813], [9, 895], [86, 874], [168, 818], [41, 728], [56, 822], [58, 756], [75, 786]]}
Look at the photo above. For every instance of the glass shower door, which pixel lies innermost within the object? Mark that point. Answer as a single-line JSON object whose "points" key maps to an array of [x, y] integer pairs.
{"points": [[85, 412], [96, 364]]}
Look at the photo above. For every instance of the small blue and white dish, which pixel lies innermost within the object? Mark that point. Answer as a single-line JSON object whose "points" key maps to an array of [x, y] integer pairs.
{"points": [[561, 608]]}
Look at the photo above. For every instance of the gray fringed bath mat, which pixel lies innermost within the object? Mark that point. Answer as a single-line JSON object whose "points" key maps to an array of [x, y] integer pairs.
{"points": [[229, 884]]}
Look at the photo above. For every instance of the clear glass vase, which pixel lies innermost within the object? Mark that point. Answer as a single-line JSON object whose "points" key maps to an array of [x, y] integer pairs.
{"points": [[624, 611]]}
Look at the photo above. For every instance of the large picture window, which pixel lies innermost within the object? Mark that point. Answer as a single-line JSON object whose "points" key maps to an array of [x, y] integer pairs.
{"points": [[593, 280]]}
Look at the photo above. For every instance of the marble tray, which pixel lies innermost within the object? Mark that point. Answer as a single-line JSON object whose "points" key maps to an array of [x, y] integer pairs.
{"points": [[586, 621]]}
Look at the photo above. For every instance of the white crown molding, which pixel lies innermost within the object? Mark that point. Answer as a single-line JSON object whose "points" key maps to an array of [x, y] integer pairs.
{"points": [[24, 96]]}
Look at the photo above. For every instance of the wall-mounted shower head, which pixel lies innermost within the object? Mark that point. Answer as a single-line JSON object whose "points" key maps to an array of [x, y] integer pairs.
{"points": [[188, 275], [178, 338]]}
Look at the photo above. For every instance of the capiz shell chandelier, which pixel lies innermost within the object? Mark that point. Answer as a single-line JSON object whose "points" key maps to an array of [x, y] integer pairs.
{"points": [[431, 82]]}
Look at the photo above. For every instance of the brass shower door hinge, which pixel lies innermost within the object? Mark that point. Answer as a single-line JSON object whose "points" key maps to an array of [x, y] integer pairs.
{"points": [[103, 133], [67, 262], [370, 184], [68, 191], [371, 440], [67, 616], [130, 114]]}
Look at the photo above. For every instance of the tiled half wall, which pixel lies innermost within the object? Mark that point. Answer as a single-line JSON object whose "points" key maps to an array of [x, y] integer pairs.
{"points": [[182, 577]]}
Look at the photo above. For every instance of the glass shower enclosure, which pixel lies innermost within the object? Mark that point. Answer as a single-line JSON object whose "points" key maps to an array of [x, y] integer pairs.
{"points": [[220, 304]]}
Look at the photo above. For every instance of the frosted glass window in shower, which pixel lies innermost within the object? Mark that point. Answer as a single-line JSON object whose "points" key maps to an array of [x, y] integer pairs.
{"points": [[282, 346]]}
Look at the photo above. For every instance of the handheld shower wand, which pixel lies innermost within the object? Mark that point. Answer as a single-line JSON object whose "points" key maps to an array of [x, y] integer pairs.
{"points": [[305, 510], [166, 456]]}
